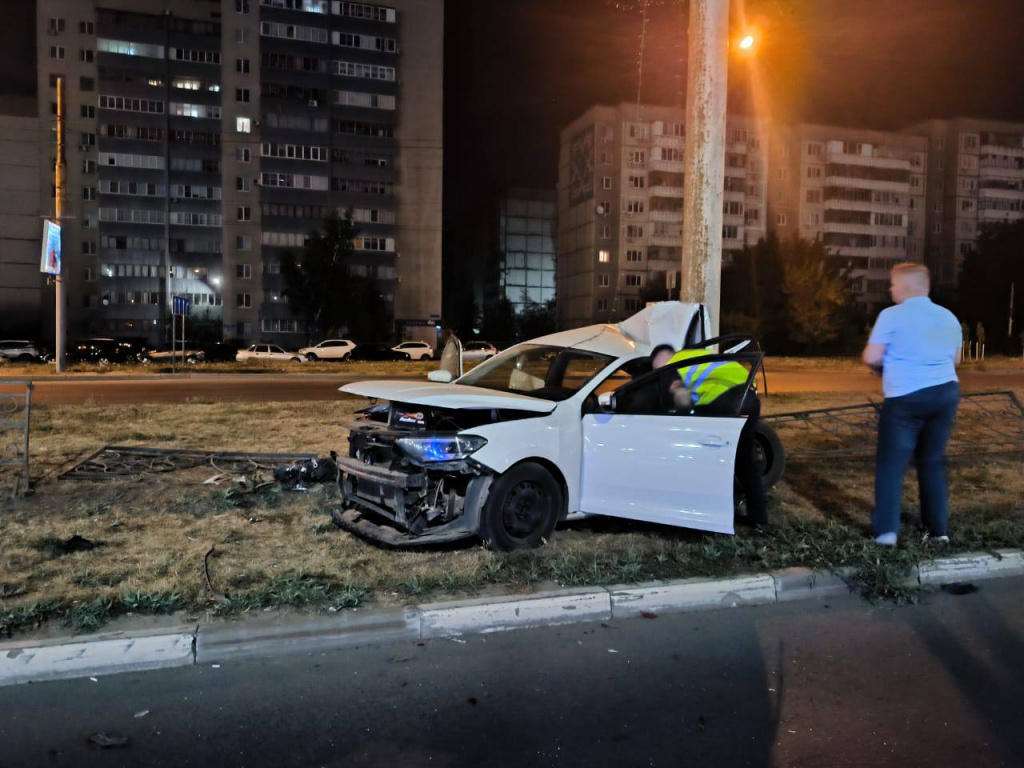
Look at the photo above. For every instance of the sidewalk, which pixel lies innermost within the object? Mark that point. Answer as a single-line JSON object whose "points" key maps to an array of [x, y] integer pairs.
{"points": [[57, 658]]}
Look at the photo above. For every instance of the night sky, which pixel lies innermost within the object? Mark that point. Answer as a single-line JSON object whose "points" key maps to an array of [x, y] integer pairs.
{"points": [[516, 71]]}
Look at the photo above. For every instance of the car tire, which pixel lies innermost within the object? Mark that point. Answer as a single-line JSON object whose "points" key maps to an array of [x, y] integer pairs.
{"points": [[312, 357], [294, 359], [522, 508], [347, 357], [428, 357], [771, 454]]}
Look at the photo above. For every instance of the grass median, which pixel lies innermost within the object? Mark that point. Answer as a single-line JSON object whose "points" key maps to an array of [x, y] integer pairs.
{"points": [[167, 542]]}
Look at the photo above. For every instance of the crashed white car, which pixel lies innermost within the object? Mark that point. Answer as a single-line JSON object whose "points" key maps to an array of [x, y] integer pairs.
{"points": [[557, 428]]}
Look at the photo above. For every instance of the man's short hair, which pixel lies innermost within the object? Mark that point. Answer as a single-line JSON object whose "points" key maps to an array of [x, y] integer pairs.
{"points": [[916, 273]]}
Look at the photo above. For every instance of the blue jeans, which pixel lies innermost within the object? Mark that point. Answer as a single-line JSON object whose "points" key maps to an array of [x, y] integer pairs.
{"points": [[918, 425]]}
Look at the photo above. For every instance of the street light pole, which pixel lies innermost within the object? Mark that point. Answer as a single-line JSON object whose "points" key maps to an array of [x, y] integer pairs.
{"points": [[58, 212], [704, 182]]}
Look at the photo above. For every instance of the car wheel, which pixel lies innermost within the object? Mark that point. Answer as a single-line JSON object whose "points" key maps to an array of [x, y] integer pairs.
{"points": [[771, 455], [294, 359], [346, 357], [312, 357], [522, 508], [406, 356], [428, 356]]}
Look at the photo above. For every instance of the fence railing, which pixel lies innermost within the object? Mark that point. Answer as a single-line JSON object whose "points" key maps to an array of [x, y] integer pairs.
{"points": [[15, 426]]}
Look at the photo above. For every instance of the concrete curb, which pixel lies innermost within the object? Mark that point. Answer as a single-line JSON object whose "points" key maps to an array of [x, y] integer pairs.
{"points": [[37, 661], [103, 654]]}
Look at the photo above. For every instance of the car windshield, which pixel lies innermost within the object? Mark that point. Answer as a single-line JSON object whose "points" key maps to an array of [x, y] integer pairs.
{"points": [[549, 373]]}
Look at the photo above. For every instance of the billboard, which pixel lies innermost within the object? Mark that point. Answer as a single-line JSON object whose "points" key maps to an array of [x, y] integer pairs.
{"points": [[49, 260]]}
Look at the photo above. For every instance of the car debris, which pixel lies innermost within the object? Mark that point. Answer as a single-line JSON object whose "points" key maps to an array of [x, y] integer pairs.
{"points": [[314, 470]]}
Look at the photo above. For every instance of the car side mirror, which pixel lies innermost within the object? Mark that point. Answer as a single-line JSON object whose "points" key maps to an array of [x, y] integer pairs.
{"points": [[606, 400], [441, 377]]}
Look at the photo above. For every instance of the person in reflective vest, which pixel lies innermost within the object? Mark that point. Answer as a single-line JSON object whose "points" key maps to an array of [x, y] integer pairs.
{"points": [[720, 382]]}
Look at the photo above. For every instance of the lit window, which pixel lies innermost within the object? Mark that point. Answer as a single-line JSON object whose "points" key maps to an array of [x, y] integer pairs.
{"points": [[604, 256], [243, 125]]}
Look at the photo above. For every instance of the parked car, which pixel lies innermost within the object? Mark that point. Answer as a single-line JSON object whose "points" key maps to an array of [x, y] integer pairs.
{"points": [[268, 352], [222, 351], [376, 353], [558, 428], [331, 349], [474, 351], [416, 350], [103, 351], [20, 350], [164, 354]]}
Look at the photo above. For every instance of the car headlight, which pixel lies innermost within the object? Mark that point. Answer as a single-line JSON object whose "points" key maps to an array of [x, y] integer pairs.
{"points": [[432, 449]]}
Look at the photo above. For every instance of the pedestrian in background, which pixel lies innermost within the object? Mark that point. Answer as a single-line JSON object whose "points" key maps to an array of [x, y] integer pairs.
{"points": [[916, 346]]}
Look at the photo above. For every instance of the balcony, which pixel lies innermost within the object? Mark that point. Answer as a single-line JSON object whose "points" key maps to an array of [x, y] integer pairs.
{"points": [[991, 216], [1001, 194], [734, 172], [866, 206], [675, 217], [868, 162], [993, 171], [668, 166], [669, 141], [670, 241], [876, 252], [666, 192], [851, 183], [861, 229], [1000, 149]]}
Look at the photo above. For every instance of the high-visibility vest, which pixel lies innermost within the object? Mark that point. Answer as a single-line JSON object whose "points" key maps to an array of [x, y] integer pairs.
{"points": [[708, 381]]}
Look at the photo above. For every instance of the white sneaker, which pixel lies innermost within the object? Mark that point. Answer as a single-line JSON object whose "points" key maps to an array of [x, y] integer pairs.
{"points": [[886, 540]]}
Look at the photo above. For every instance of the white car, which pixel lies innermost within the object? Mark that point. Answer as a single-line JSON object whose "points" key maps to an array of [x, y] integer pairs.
{"points": [[268, 352], [331, 349], [557, 428], [22, 351], [473, 351], [416, 350]]}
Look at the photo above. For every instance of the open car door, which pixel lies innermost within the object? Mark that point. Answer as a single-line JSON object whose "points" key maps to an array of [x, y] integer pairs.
{"points": [[450, 367], [648, 456]]}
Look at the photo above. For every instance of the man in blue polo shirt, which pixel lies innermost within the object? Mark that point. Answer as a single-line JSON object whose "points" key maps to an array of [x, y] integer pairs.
{"points": [[916, 345]]}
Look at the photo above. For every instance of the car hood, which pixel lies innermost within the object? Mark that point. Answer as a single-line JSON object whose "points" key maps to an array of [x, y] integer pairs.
{"points": [[446, 395]]}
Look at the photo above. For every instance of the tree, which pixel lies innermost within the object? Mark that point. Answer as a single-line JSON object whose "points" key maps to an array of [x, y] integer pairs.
{"points": [[985, 280], [817, 293], [320, 290], [752, 296], [499, 321], [537, 319]]}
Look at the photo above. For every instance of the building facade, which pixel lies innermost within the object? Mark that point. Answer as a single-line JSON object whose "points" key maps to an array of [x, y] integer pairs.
{"points": [[527, 222], [862, 193], [976, 182], [620, 207], [25, 303], [207, 138]]}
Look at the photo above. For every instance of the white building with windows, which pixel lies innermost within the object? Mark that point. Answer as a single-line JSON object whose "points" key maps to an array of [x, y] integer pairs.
{"points": [[620, 207]]}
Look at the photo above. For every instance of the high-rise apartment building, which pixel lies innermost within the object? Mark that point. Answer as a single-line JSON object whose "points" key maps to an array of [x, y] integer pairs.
{"points": [[861, 192], [527, 221], [620, 207], [22, 295], [976, 181], [207, 138]]}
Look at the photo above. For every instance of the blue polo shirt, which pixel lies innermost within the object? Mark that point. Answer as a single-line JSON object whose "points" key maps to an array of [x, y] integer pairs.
{"points": [[921, 341]]}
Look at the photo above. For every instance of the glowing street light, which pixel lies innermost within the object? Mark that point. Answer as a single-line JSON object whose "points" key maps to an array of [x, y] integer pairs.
{"points": [[747, 43]]}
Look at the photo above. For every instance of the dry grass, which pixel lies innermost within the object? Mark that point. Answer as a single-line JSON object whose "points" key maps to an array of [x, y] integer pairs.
{"points": [[278, 547]]}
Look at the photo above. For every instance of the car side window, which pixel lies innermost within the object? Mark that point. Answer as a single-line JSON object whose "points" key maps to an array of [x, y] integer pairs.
{"points": [[711, 387]]}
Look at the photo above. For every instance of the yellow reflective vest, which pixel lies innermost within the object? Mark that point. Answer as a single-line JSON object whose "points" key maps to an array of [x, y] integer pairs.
{"points": [[708, 381]]}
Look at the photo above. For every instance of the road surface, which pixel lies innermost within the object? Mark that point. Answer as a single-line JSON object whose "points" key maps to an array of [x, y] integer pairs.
{"points": [[51, 390], [837, 684]]}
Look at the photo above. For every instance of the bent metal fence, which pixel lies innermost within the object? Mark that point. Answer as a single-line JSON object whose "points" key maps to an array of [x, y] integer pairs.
{"points": [[986, 423], [15, 426], [116, 461]]}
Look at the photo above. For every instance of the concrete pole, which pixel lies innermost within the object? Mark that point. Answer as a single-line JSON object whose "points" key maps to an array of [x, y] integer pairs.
{"points": [[58, 212], [704, 183]]}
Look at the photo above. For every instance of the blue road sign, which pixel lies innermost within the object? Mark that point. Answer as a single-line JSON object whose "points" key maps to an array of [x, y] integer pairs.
{"points": [[181, 305]]}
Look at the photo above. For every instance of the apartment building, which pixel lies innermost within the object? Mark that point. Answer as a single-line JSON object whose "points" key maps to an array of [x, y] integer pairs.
{"points": [[25, 303], [976, 182], [207, 138], [861, 192], [527, 223], [620, 207]]}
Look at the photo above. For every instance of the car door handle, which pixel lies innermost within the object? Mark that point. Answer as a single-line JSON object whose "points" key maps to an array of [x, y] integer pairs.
{"points": [[714, 441]]}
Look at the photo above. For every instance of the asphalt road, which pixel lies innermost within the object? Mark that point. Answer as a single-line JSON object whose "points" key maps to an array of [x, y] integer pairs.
{"points": [[303, 387], [839, 684]]}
